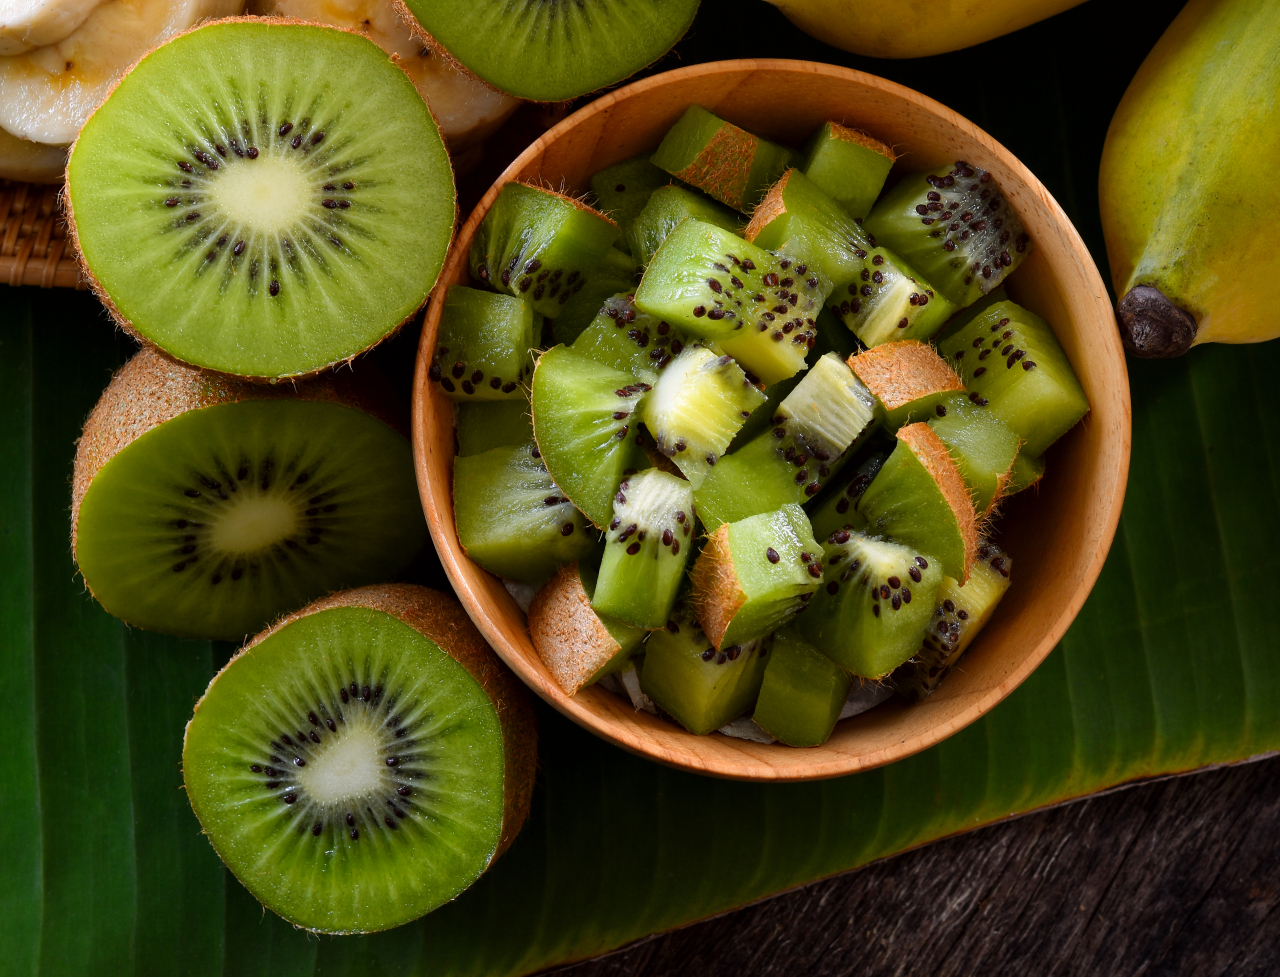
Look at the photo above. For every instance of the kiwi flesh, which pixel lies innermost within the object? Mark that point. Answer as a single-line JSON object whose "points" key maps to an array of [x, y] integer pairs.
{"points": [[363, 761], [983, 448], [646, 549], [489, 424], [754, 575], [206, 507], [546, 248], [553, 50], [956, 226], [960, 613], [1026, 472], [760, 309], [623, 190], [1010, 358], [802, 694], [583, 423], [908, 380], [249, 220], [623, 338], [512, 519], [919, 499], [848, 165], [808, 440], [698, 686], [875, 603], [837, 508], [578, 646], [483, 345], [666, 208], [721, 159], [696, 407]]}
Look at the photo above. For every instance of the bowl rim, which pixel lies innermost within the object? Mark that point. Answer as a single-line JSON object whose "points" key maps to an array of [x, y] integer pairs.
{"points": [[439, 513]]}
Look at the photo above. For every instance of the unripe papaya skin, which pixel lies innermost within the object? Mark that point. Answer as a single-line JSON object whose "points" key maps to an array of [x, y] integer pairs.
{"points": [[1187, 186], [914, 28]]}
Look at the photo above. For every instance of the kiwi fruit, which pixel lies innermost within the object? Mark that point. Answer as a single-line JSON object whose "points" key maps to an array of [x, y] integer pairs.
{"points": [[363, 761], [803, 692], [908, 379], [206, 507], [954, 224], [483, 345], [837, 508], [721, 159], [623, 190], [488, 424], [1026, 472], [250, 219], [848, 165], [666, 208], [983, 448], [553, 50], [754, 575], [624, 338]]}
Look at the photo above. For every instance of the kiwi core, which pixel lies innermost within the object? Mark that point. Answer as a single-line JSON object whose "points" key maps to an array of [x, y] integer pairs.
{"points": [[254, 523], [274, 193], [349, 768]]}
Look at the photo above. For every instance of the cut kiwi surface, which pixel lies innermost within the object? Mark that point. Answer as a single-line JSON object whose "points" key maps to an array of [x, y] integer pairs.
{"points": [[239, 209], [802, 694], [848, 165], [666, 208], [553, 50], [624, 338], [1026, 472], [363, 761], [837, 508], [622, 191], [207, 507], [984, 449], [493, 424], [483, 346]]}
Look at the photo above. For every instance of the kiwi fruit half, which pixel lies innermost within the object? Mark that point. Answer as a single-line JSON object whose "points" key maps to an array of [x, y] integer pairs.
{"points": [[240, 199], [206, 507], [363, 761], [553, 50]]}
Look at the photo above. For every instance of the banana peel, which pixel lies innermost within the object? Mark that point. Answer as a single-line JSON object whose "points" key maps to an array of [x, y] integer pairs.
{"points": [[1188, 186], [914, 28]]}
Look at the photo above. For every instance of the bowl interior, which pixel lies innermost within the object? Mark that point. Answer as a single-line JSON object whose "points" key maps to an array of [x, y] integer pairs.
{"points": [[1058, 536]]}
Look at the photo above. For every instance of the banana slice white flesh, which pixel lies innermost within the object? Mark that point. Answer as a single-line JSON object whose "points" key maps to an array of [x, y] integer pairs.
{"points": [[31, 162], [467, 109], [27, 24], [47, 93]]}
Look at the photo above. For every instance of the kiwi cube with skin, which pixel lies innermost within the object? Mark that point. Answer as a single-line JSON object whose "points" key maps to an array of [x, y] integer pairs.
{"points": [[547, 248], [802, 694], [721, 159], [667, 207], [622, 190], [578, 646], [848, 165], [482, 348], [698, 686], [919, 499], [752, 576], [646, 549], [759, 308], [1026, 472], [624, 338], [908, 379], [1011, 360], [876, 601], [808, 441], [984, 450]]}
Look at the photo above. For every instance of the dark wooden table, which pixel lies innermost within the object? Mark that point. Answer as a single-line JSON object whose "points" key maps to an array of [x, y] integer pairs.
{"points": [[1177, 877]]}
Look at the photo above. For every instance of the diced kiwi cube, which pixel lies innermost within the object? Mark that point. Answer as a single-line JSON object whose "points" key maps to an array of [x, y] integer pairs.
{"points": [[624, 338], [908, 379], [622, 190], [984, 449], [482, 348], [837, 508], [759, 308], [666, 208], [646, 549], [1010, 358], [802, 693], [1027, 471], [700, 687], [721, 159], [493, 424], [848, 165]]}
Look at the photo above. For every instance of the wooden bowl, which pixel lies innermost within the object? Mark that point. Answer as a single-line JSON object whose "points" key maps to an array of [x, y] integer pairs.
{"points": [[1058, 537]]}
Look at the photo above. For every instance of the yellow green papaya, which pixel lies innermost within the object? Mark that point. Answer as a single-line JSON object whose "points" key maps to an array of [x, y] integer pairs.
{"points": [[914, 28], [1188, 186]]}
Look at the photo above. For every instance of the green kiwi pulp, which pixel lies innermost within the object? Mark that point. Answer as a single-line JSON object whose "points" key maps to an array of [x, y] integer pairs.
{"points": [[837, 508], [238, 199], [802, 694], [956, 226], [356, 767], [490, 424], [554, 50], [849, 166], [666, 208], [483, 346], [984, 449], [512, 519], [759, 308], [1026, 472], [622, 191], [624, 338], [875, 603], [221, 517], [1010, 359], [720, 159]]}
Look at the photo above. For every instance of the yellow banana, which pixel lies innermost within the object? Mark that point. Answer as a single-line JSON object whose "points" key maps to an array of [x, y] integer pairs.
{"points": [[914, 28], [1188, 186]]}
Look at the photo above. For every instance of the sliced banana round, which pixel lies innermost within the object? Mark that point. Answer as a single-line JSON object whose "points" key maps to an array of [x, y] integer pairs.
{"points": [[466, 109], [27, 24], [48, 92], [30, 162]]}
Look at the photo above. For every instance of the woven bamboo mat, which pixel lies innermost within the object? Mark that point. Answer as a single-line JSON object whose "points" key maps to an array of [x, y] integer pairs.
{"points": [[34, 249]]}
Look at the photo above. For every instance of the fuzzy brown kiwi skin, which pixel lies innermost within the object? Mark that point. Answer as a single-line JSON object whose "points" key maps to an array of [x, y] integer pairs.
{"points": [[442, 619], [717, 593], [73, 234], [153, 388]]}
